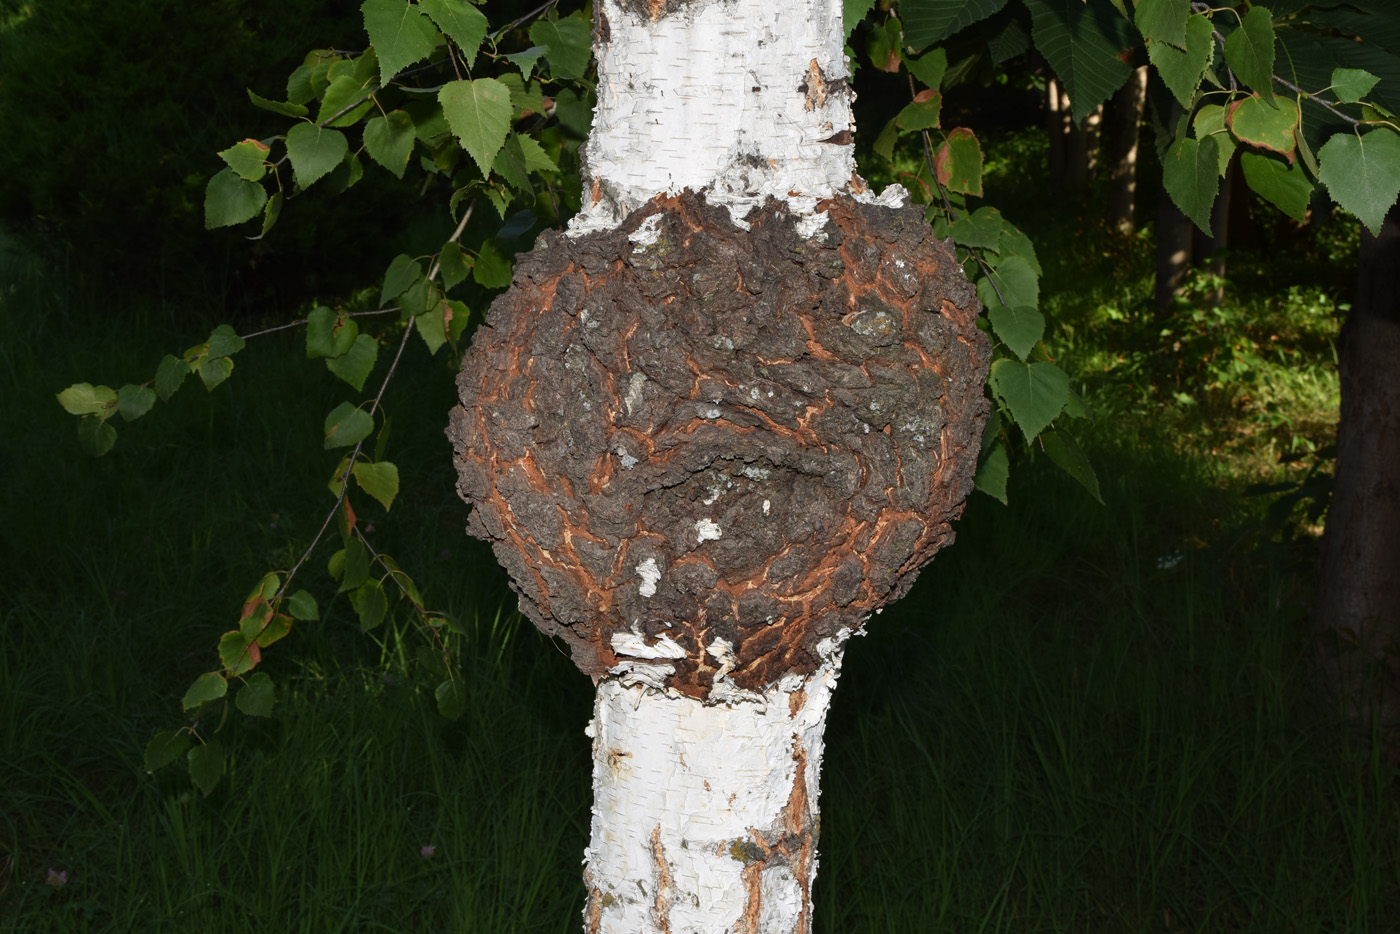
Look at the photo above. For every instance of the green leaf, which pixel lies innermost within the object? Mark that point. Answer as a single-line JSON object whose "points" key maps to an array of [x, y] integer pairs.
{"points": [[981, 230], [354, 566], [993, 473], [1034, 392], [458, 320], [207, 688], [884, 143], [96, 436], [1285, 186], [883, 44], [1271, 128], [1085, 50], [87, 399], [345, 91], [922, 113], [346, 426], [256, 697], [1182, 69], [463, 23], [370, 603], [958, 162], [478, 111], [248, 159], [432, 326], [230, 200], [1249, 51], [510, 164], [1163, 20], [1352, 84], [852, 12], [380, 480], [303, 606], [930, 21], [238, 652], [170, 374], [1065, 452], [403, 272], [214, 371], [206, 766], [526, 60], [569, 44], [314, 151], [450, 265], [355, 365], [329, 334], [451, 698], [135, 401], [1362, 173], [492, 268], [389, 140], [1191, 174], [574, 111], [275, 628], [400, 33], [271, 212], [1015, 243], [1015, 279], [225, 342], [164, 748], [414, 301], [1210, 121], [928, 68], [277, 107], [1019, 327], [524, 97]]}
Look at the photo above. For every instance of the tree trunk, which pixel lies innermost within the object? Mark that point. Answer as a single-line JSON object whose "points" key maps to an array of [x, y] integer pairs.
{"points": [[1126, 123], [651, 440], [1211, 249], [705, 817], [1358, 596], [1173, 250]]}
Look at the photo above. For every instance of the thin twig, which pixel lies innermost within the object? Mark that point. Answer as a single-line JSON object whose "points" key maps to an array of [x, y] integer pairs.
{"points": [[374, 407], [300, 321]]}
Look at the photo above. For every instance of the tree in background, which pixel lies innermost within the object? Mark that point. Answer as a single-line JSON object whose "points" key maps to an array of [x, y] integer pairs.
{"points": [[538, 371]]}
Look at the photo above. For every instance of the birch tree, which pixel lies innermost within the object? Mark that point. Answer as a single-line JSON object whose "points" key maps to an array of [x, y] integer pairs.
{"points": [[710, 431], [722, 420]]}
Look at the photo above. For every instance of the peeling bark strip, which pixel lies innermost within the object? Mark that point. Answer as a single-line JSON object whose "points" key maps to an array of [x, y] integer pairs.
{"points": [[710, 824], [700, 451]]}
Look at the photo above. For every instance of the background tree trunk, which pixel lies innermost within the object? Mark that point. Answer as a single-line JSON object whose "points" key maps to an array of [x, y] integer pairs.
{"points": [[1211, 249], [1125, 119], [1358, 594], [1174, 231]]}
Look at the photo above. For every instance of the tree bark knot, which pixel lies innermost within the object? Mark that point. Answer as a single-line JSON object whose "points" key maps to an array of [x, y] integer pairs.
{"points": [[700, 450]]}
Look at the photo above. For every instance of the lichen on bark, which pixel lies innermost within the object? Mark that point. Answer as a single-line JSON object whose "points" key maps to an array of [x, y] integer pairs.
{"points": [[713, 447]]}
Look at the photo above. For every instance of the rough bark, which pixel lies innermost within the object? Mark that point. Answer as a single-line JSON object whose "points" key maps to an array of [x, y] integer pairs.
{"points": [[1358, 597], [702, 450], [1126, 111]]}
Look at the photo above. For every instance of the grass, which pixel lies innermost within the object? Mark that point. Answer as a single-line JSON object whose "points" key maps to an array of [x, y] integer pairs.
{"points": [[1083, 718]]}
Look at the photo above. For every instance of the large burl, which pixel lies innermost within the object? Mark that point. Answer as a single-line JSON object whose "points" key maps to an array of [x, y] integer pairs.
{"points": [[700, 451]]}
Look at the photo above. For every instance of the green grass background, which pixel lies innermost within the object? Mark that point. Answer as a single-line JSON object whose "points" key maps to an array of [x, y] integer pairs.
{"points": [[1084, 718]]}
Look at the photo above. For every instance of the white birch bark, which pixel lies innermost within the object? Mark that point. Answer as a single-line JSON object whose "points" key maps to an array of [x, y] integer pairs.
{"points": [[705, 813]]}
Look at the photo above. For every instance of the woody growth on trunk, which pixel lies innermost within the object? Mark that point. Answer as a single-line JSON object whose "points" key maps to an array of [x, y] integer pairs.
{"points": [[711, 431]]}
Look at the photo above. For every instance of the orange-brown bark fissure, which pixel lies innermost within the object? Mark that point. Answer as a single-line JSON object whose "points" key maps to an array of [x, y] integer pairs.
{"points": [[816, 402]]}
